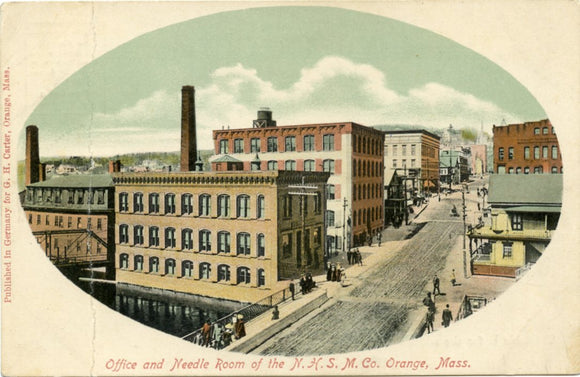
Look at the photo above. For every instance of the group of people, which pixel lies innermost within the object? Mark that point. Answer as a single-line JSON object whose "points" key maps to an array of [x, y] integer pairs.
{"points": [[306, 284], [335, 273], [218, 336], [429, 302], [354, 257]]}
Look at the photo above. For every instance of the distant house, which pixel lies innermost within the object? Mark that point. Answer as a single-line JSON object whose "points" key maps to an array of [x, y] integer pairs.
{"points": [[525, 210]]}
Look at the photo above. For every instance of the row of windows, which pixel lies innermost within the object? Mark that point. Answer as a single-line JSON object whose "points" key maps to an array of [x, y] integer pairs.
{"points": [[395, 150], [545, 153], [272, 144], [304, 203], [68, 246], [404, 163], [370, 191], [360, 216], [70, 196], [366, 168], [58, 221], [243, 240], [204, 204], [363, 144], [544, 131], [243, 274], [526, 170]]}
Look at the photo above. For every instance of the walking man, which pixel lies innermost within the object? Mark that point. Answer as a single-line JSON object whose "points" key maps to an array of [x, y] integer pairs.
{"points": [[429, 321], [436, 290], [380, 237], [292, 289], [446, 316], [453, 280]]}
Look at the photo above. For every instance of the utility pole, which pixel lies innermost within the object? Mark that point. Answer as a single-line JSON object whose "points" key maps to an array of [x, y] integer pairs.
{"points": [[450, 150]]}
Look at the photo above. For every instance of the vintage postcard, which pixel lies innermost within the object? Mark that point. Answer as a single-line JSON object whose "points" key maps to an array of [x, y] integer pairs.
{"points": [[290, 188]]}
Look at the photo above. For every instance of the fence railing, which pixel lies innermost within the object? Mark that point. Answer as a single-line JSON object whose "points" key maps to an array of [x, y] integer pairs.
{"points": [[223, 331]]}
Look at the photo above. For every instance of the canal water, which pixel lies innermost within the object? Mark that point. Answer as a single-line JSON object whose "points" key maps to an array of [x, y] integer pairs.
{"points": [[174, 314]]}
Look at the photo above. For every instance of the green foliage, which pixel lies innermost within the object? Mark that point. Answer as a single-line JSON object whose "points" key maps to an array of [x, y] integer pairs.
{"points": [[469, 134]]}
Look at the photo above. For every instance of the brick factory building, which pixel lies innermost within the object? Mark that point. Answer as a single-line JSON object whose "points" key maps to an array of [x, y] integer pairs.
{"points": [[531, 147], [230, 235], [72, 219], [350, 152]]}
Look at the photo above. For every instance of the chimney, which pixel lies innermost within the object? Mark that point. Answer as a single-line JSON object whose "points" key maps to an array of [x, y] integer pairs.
{"points": [[188, 137], [41, 172], [114, 166], [32, 173]]}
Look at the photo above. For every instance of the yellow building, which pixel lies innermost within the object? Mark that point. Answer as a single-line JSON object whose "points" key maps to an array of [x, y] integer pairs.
{"points": [[231, 235], [525, 210]]}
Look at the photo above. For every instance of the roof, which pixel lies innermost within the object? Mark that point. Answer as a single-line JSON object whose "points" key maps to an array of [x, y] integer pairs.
{"points": [[226, 158], [77, 181], [412, 131], [525, 189]]}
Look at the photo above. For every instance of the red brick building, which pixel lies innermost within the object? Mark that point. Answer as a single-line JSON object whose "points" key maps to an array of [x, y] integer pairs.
{"points": [[351, 152], [531, 147]]}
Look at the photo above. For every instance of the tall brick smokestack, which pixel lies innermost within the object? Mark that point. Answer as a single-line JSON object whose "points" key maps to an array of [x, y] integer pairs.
{"points": [[32, 173], [188, 137]]}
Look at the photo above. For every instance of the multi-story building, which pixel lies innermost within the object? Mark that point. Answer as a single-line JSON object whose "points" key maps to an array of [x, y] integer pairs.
{"points": [[478, 159], [350, 152], [227, 234], [413, 154], [531, 147], [72, 218], [454, 165], [522, 223]]}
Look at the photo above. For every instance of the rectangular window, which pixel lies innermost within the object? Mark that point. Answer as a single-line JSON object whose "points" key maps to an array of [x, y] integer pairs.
{"points": [[545, 130], [329, 218], [330, 192], [290, 165], [544, 152], [273, 144], [287, 206], [507, 250], [309, 165], [308, 143], [517, 222], [272, 165], [239, 146], [510, 153], [500, 154], [536, 153], [394, 150], [404, 150], [527, 153], [328, 142], [536, 131], [290, 143], [554, 152], [412, 149], [394, 164], [99, 224], [413, 163], [328, 166], [224, 147], [255, 145]]}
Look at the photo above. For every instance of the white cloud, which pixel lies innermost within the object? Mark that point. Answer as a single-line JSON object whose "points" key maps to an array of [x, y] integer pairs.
{"points": [[332, 90]]}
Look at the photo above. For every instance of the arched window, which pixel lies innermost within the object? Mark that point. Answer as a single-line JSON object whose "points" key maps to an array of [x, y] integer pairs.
{"points": [[272, 165], [290, 165], [123, 233], [243, 244], [224, 241], [204, 240], [204, 205], [204, 270], [223, 272], [169, 238], [138, 235], [186, 204], [224, 206], [124, 261], [123, 202], [154, 203], [169, 203], [138, 262], [328, 166], [309, 165], [261, 207], [243, 206], [187, 268], [170, 266], [243, 274], [153, 236], [261, 277], [187, 239], [154, 265], [137, 202], [261, 245]]}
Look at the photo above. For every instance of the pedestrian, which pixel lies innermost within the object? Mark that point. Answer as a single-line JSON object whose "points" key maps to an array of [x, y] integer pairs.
{"points": [[359, 257], [370, 240], [349, 256], [478, 206], [217, 335], [276, 313], [429, 303], [342, 277], [329, 272], [292, 289], [380, 238], [240, 327], [309, 282], [436, 290], [453, 280], [446, 316], [227, 335], [303, 285], [205, 333], [429, 321], [338, 273]]}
